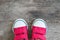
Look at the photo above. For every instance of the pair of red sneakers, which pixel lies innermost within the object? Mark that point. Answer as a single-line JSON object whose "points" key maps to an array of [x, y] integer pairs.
{"points": [[20, 30]]}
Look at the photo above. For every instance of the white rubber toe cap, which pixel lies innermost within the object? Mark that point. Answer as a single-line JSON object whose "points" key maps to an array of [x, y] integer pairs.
{"points": [[39, 23], [19, 23]]}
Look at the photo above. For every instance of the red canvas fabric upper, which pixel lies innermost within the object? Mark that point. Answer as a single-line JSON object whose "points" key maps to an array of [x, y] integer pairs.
{"points": [[38, 33], [20, 33]]}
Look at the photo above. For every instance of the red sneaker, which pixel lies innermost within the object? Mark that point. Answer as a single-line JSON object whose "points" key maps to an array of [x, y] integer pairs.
{"points": [[39, 30], [20, 30]]}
